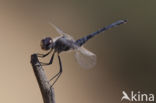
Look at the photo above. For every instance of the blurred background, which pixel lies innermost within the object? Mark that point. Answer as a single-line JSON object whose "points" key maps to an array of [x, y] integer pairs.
{"points": [[126, 55]]}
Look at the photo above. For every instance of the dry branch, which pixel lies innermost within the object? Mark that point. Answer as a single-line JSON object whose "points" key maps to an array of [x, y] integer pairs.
{"points": [[46, 91]]}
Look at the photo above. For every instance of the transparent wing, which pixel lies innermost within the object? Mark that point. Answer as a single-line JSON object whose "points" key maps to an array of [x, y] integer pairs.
{"points": [[61, 32], [85, 58]]}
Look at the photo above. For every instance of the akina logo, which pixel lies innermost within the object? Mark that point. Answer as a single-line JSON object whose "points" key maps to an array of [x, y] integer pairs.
{"points": [[138, 96]]}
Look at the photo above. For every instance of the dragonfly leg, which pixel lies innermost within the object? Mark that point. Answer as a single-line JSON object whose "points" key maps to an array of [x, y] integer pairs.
{"points": [[50, 62], [58, 74], [44, 55], [54, 76]]}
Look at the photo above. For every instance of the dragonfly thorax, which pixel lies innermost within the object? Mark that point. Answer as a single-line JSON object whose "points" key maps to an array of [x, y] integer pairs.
{"points": [[63, 44]]}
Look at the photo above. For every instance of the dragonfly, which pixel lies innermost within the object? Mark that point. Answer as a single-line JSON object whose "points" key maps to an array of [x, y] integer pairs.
{"points": [[65, 42]]}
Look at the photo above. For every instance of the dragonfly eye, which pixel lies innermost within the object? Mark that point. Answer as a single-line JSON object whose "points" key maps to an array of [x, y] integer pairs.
{"points": [[46, 43]]}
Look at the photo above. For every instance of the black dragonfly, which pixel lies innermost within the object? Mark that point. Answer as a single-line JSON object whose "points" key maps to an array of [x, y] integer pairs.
{"points": [[65, 42]]}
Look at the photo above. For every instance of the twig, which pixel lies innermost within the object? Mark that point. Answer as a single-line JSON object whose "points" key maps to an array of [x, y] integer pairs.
{"points": [[46, 90]]}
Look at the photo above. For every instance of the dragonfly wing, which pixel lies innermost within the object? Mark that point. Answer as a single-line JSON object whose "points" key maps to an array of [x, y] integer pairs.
{"points": [[61, 32], [85, 58], [57, 29]]}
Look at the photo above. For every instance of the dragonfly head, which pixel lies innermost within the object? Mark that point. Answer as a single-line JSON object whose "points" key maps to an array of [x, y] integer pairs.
{"points": [[46, 43]]}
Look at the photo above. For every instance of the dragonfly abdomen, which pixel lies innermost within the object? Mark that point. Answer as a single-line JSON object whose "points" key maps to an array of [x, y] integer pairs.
{"points": [[81, 41]]}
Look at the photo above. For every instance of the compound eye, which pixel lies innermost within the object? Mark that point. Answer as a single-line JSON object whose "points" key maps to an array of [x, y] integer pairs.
{"points": [[46, 43], [51, 41]]}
